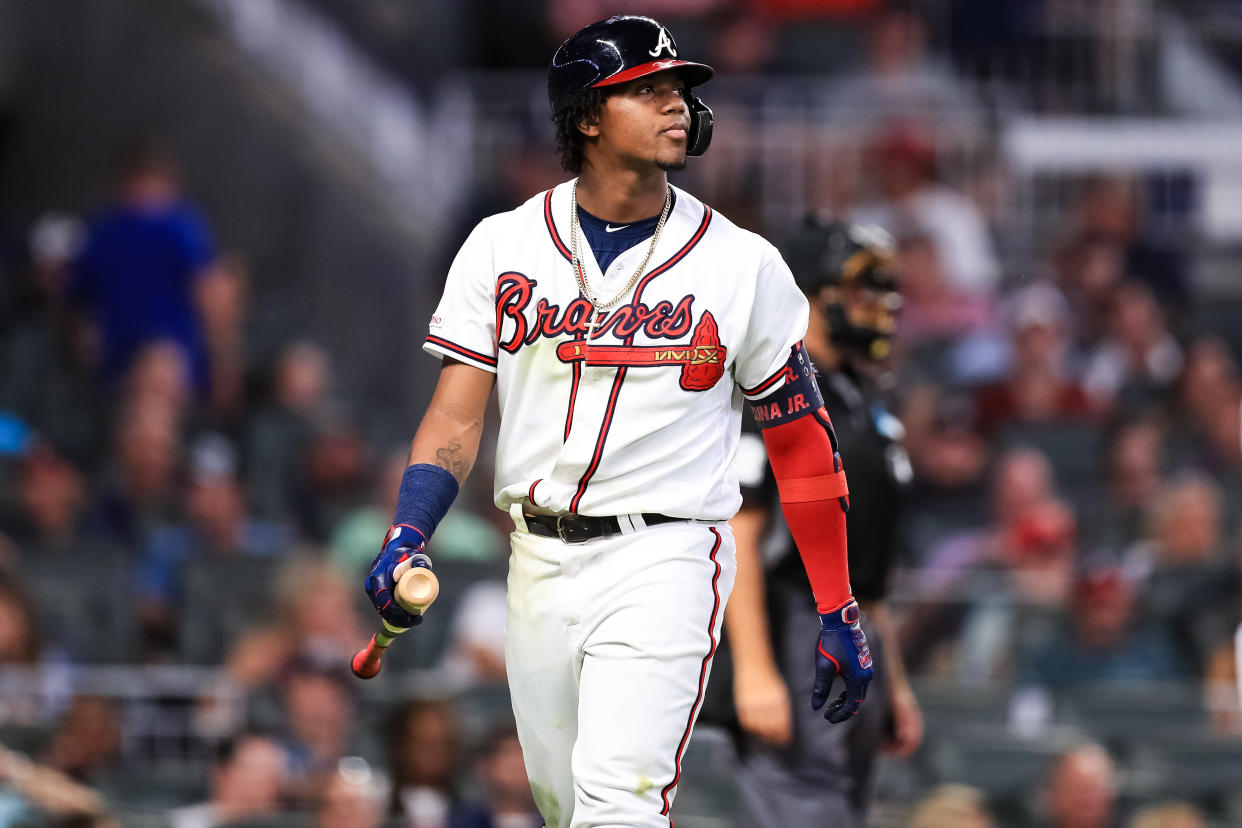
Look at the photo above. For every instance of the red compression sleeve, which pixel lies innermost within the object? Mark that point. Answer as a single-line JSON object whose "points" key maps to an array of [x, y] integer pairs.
{"points": [[802, 450]]}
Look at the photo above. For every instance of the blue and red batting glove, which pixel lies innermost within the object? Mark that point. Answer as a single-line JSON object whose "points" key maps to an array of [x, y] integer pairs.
{"points": [[403, 548], [841, 650], [425, 496]]}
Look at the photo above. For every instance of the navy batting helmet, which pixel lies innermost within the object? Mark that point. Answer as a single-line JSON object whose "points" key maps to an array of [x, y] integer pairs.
{"points": [[827, 253], [621, 49]]}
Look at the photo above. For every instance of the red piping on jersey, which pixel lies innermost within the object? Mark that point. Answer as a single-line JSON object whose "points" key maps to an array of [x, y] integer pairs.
{"points": [[785, 373], [461, 351], [599, 443], [556, 238], [629, 340], [707, 660], [573, 394], [530, 495], [577, 369]]}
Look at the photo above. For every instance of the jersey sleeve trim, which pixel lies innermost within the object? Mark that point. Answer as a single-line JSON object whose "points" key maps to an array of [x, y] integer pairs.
{"points": [[769, 385], [445, 347]]}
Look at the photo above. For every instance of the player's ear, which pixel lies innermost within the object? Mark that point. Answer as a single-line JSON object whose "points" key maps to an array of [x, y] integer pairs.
{"points": [[589, 126]]}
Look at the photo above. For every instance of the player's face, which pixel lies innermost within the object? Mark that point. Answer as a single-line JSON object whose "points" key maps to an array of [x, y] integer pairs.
{"points": [[646, 121]]}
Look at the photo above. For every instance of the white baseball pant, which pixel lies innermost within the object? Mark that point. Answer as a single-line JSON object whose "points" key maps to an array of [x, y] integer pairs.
{"points": [[608, 647]]}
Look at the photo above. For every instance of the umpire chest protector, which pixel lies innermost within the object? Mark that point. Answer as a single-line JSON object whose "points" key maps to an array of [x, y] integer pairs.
{"points": [[622, 49]]}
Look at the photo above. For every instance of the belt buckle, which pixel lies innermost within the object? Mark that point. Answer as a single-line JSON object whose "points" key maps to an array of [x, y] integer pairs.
{"points": [[573, 530]]}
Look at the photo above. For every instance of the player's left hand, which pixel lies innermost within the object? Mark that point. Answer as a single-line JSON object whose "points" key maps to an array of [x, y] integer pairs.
{"points": [[841, 650], [402, 548]]}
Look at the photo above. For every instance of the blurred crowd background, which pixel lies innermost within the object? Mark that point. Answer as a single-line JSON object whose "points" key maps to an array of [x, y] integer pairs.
{"points": [[224, 224]]}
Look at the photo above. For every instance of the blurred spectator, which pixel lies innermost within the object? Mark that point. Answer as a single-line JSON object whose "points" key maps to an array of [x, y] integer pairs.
{"points": [[743, 42], [333, 477], [952, 806], [933, 310], [501, 773], [476, 650], [356, 541], [45, 359], [324, 629], [279, 431], [216, 525], [1188, 583], [139, 486], [1135, 458], [1110, 210], [1082, 789], [352, 798], [222, 304], [1103, 639], [1039, 385], [1138, 359], [900, 79], [35, 794], [1022, 483], [1207, 414], [794, 11], [159, 377], [247, 783], [1209, 379], [1169, 815], [424, 759], [87, 739], [143, 262], [19, 633], [991, 588], [949, 459], [319, 725], [1088, 271], [912, 201], [54, 501], [1221, 691]]}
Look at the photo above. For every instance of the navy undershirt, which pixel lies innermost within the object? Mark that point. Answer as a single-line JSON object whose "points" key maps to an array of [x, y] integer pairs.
{"points": [[608, 245]]}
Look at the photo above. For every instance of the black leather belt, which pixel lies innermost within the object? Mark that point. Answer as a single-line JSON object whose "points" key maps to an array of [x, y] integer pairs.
{"points": [[582, 528]]}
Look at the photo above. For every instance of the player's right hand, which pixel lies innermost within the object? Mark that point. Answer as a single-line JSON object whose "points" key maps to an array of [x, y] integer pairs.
{"points": [[402, 544], [841, 650]]}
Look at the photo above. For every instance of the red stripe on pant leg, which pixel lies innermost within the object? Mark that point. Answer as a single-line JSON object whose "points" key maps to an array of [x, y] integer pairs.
{"points": [[707, 659]]}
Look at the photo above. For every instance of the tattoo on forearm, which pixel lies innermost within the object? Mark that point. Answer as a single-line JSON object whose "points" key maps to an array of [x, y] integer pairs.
{"points": [[450, 458]]}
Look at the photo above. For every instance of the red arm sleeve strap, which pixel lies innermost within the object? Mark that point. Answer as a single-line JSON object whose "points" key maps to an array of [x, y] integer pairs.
{"points": [[802, 449]]}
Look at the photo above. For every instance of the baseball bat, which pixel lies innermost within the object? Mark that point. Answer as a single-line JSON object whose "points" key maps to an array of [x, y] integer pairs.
{"points": [[416, 590]]}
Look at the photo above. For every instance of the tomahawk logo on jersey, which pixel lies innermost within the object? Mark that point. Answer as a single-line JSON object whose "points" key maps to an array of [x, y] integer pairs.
{"points": [[715, 301]]}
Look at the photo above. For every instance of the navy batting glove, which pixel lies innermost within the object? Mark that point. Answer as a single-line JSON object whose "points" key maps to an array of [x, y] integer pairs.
{"points": [[841, 650], [403, 543]]}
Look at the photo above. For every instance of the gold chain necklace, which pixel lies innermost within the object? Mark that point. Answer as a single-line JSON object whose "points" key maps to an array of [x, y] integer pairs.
{"points": [[580, 272]]}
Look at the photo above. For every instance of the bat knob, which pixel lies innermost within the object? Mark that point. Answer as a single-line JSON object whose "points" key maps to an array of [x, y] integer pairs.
{"points": [[417, 590], [366, 662]]}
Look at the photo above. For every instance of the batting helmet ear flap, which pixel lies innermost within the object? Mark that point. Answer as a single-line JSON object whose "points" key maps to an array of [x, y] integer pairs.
{"points": [[701, 123]]}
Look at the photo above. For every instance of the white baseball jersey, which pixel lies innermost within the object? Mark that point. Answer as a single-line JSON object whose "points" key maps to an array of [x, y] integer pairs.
{"points": [[645, 416]]}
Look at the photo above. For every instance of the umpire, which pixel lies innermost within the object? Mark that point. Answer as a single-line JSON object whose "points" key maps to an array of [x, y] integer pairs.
{"points": [[793, 770]]}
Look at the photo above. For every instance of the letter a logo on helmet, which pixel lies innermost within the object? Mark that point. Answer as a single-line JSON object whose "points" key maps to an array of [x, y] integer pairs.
{"points": [[664, 42]]}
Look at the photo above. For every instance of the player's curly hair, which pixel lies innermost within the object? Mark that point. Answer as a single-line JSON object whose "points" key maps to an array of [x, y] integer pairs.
{"points": [[566, 115]]}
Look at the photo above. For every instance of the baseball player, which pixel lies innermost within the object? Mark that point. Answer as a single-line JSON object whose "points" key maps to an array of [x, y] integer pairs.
{"points": [[622, 322], [793, 772]]}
